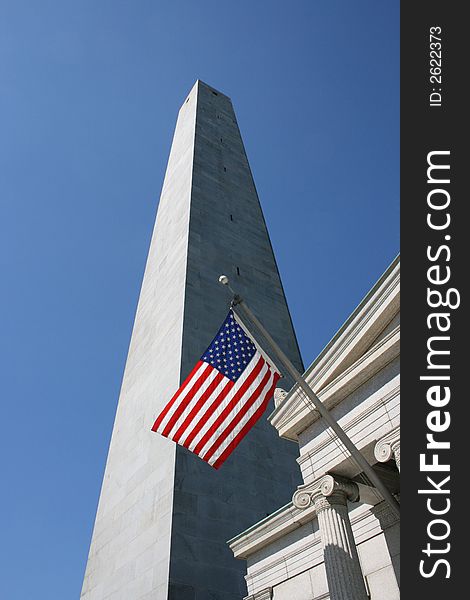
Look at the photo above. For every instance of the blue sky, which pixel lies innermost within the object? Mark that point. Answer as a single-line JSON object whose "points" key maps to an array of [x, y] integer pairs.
{"points": [[90, 90]]}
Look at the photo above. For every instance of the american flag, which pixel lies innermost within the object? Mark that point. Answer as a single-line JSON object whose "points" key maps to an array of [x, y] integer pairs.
{"points": [[222, 398]]}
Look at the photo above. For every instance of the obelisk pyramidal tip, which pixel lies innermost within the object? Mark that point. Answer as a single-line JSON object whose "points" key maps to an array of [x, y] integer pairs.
{"points": [[164, 515]]}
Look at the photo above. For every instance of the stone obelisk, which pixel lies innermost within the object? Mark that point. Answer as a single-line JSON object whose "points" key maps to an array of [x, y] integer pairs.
{"points": [[164, 515]]}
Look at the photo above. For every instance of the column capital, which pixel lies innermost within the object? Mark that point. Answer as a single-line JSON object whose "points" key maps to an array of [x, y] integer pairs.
{"points": [[388, 446], [279, 395], [327, 490]]}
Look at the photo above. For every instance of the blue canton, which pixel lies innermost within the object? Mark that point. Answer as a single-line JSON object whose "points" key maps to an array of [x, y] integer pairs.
{"points": [[231, 350]]}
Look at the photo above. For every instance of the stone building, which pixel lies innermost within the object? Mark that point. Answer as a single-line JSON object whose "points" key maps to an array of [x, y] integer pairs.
{"points": [[338, 538]]}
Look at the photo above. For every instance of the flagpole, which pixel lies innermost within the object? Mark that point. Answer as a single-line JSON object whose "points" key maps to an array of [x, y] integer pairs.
{"points": [[237, 304]]}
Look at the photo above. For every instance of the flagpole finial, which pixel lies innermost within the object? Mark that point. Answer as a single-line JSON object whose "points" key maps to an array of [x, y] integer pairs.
{"points": [[224, 280]]}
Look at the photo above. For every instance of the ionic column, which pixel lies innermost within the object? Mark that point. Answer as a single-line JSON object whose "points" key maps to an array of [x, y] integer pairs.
{"points": [[343, 570], [389, 447]]}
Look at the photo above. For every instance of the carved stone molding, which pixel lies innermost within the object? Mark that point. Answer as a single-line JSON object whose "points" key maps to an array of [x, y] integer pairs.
{"points": [[265, 594], [279, 395], [385, 515], [389, 447], [326, 491]]}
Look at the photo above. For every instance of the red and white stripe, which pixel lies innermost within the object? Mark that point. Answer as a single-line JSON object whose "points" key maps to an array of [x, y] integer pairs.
{"points": [[210, 414]]}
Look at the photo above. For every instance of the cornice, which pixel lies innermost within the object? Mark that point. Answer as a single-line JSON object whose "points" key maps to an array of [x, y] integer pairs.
{"points": [[277, 525], [283, 521], [294, 415], [366, 323], [265, 594], [354, 338], [347, 427]]}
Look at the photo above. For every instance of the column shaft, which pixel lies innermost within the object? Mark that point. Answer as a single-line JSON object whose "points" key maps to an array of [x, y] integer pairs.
{"points": [[396, 454], [343, 570]]}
